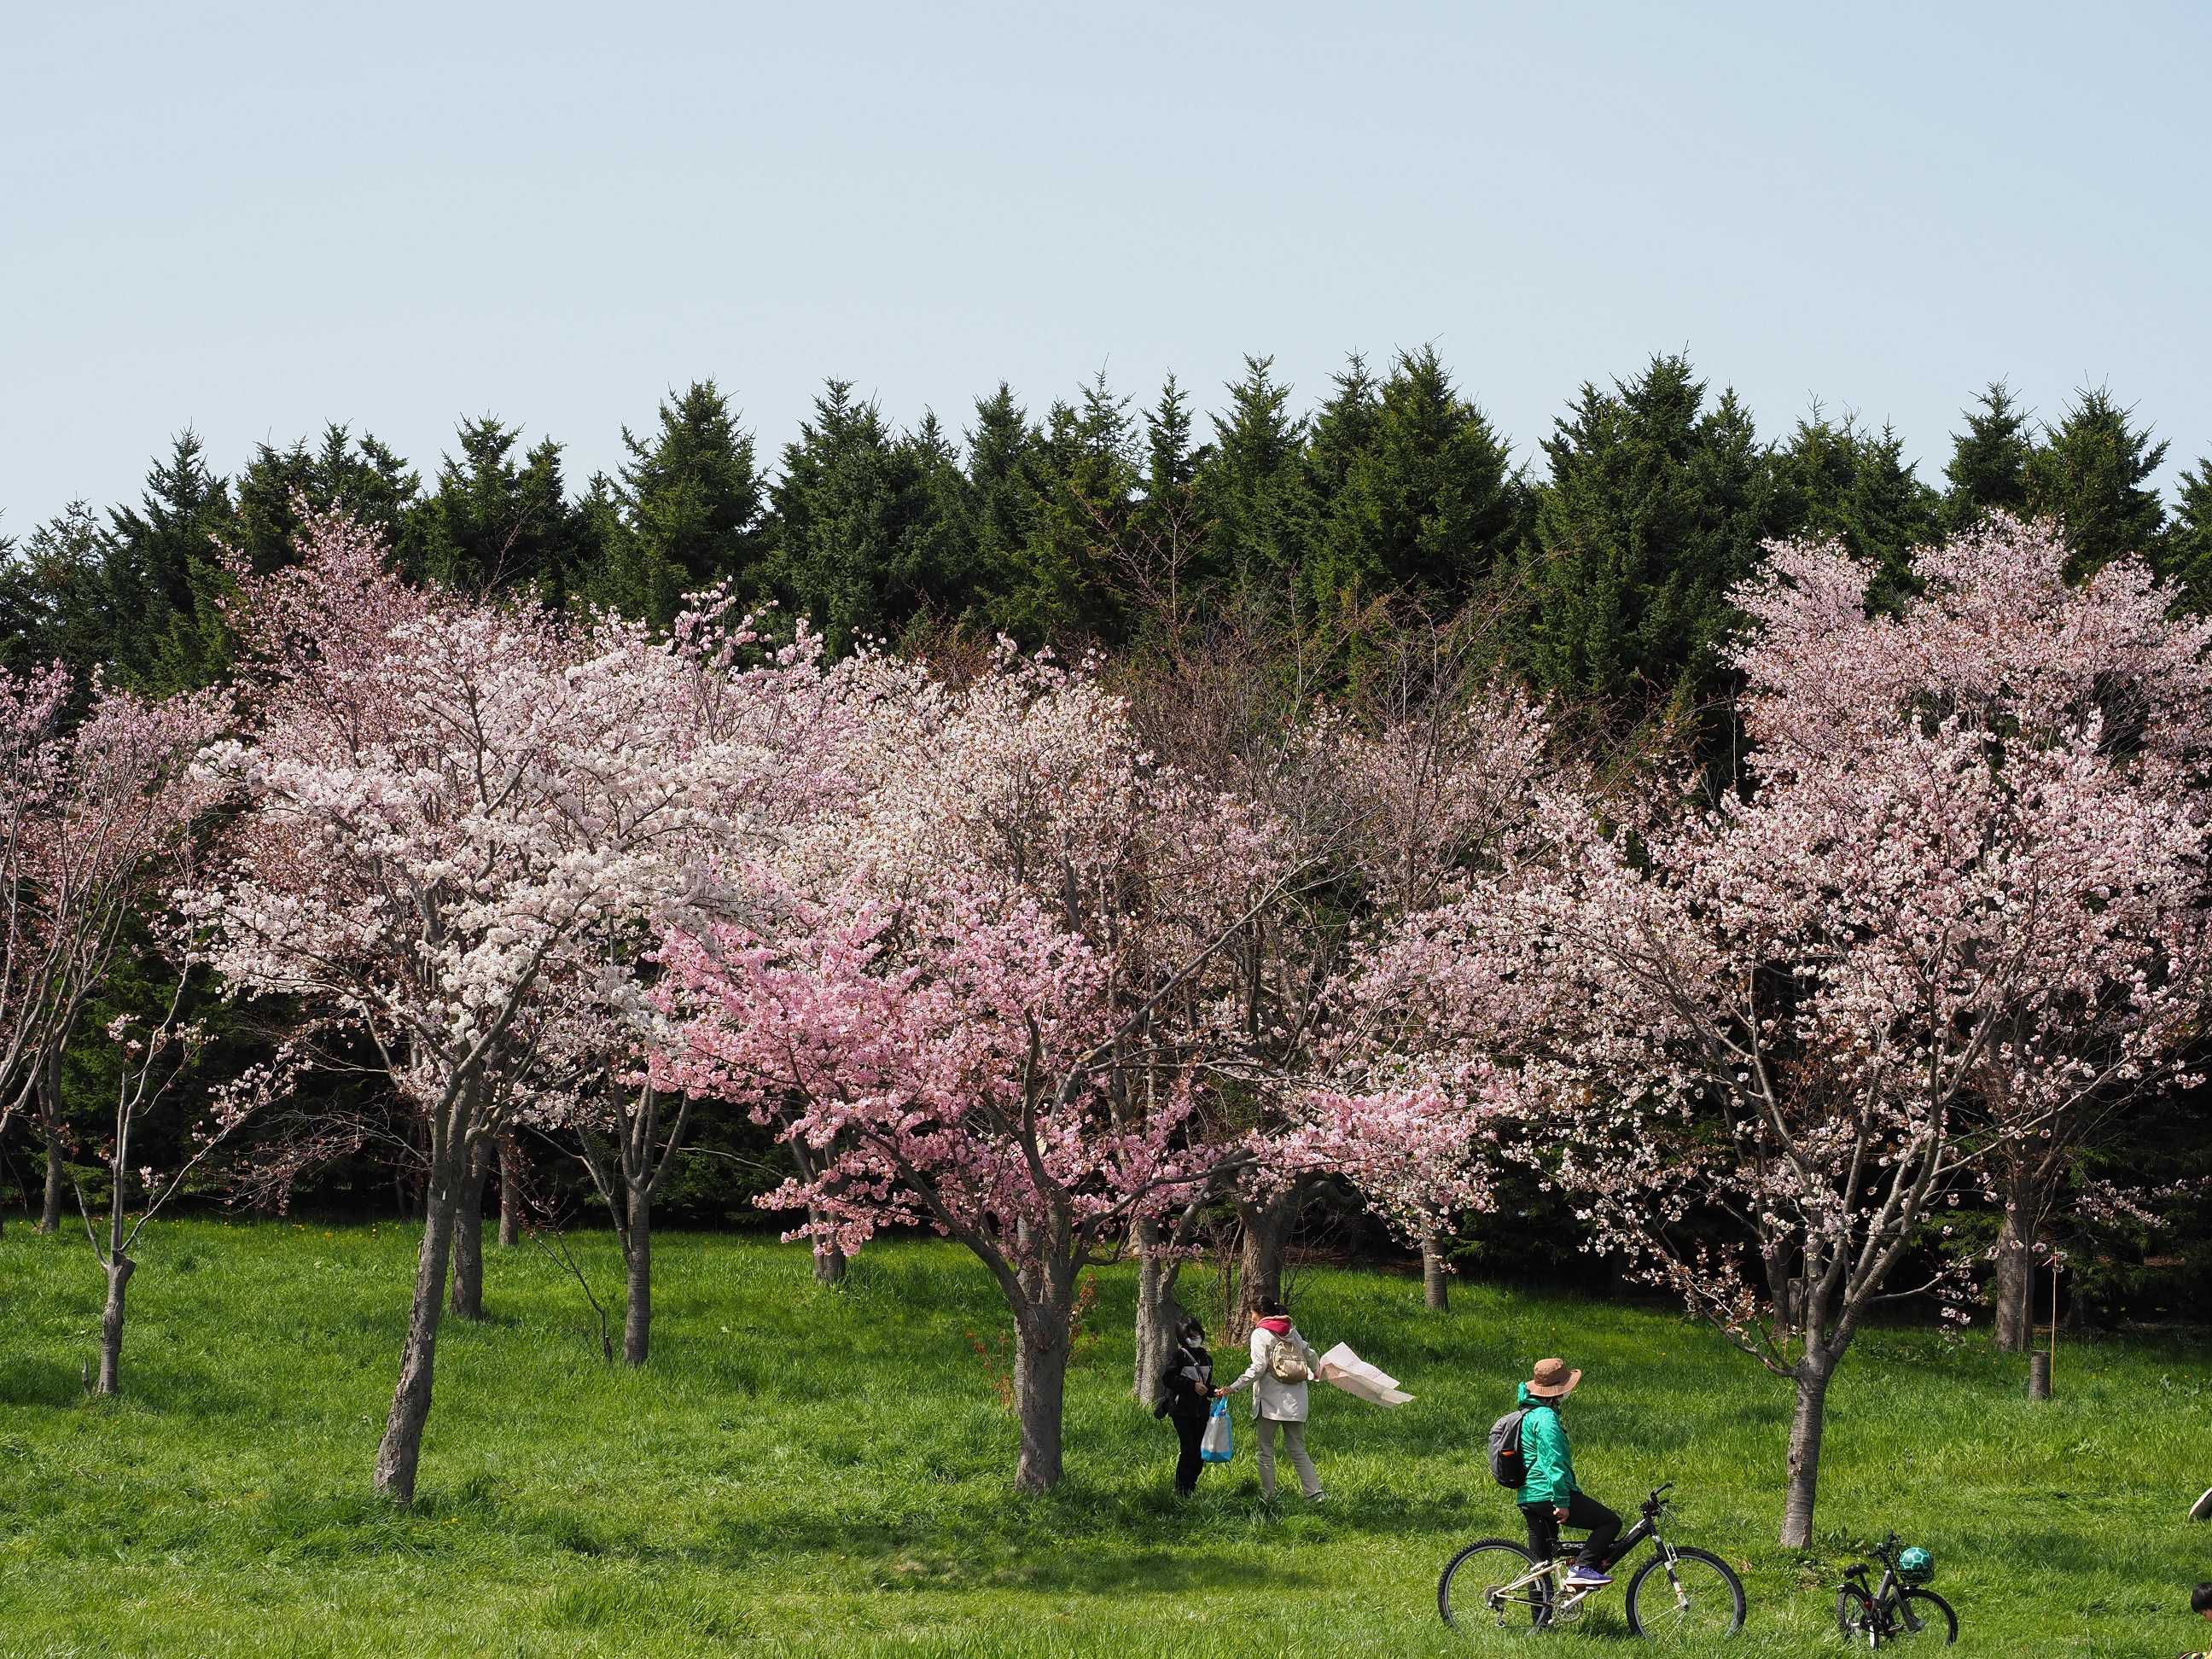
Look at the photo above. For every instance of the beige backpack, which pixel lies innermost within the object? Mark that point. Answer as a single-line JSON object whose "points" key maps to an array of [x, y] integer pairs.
{"points": [[1285, 1363]]}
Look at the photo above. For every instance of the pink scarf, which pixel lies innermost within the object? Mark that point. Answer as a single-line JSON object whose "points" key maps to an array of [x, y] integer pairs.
{"points": [[1279, 1323]]}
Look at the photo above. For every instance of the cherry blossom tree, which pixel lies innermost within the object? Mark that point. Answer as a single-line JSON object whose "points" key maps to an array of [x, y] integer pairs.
{"points": [[1760, 1033], [956, 1062], [449, 809], [1433, 773], [995, 1012], [1422, 1156], [34, 760], [597, 1091], [92, 810], [2004, 641]]}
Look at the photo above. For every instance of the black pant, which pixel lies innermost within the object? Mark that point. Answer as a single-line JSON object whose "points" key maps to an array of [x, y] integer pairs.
{"points": [[1582, 1510], [1190, 1431]]}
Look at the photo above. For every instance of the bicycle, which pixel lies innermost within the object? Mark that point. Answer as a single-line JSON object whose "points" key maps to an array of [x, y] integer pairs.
{"points": [[1678, 1592], [1895, 1611]]}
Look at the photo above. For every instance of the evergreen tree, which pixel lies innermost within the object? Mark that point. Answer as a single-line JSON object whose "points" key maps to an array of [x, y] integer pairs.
{"points": [[360, 477], [1988, 461], [1000, 506], [2183, 554], [1841, 483], [938, 535], [1167, 553], [1429, 503], [2090, 475], [1341, 431], [859, 529], [493, 525], [62, 589], [690, 499], [163, 576], [1656, 507], [1247, 483], [1065, 586], [22, 615]]}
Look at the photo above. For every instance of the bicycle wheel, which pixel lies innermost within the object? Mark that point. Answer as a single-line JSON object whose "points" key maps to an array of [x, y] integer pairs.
{"points": [[1855, 1616], [1482, 1586], [1693, 1598], [1923, 1616]]}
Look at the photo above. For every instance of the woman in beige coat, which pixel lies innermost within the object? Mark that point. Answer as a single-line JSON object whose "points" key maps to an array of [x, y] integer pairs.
{"points": [[1279, 1402]]}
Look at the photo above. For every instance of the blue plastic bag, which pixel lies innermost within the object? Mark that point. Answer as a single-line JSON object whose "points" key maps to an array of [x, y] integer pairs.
{"points": [[1215, 1447]]}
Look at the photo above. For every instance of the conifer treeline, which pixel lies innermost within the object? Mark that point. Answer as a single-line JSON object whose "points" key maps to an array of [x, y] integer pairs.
{"points": [[1611, 556], [1600, 569]]}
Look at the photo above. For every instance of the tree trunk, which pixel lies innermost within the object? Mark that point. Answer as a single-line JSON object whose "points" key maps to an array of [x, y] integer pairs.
{"points": [[111, 1325], [1805, 1426], [1159, 1313], [2012, 1285], [50, 1212], [1041, 1344], [829, 1260], [1266, 1235], [1435, 1279], [510, 1196], [402, 1446], [637, 1250], [468, 1239]]}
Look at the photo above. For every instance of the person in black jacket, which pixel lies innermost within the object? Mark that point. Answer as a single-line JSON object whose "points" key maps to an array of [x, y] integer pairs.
{"points": [[1187, 1399]]}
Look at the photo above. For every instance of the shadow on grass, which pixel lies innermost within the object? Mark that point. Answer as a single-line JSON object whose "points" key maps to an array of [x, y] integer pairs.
{"points": [[1201, 1566], [33, 1382]]}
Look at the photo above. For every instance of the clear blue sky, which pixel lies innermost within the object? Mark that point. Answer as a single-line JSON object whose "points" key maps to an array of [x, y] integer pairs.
{"points": [[253, 218]]}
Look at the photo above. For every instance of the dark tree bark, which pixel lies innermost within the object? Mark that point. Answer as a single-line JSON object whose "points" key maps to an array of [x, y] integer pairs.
{"points": [[1266, 1237], [1158, 1311], [510, 1192], [637, 1251], [401, 1450], [1042, 1339], [629, 1181], [468, 1237], [50, 1210], [1435, 1277], [111, 1325], [1807, 1422], [829, 1260], [2027, 1192]]}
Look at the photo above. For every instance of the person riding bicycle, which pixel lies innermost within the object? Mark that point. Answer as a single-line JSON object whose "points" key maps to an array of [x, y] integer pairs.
{"points": [[1549, 1497]]}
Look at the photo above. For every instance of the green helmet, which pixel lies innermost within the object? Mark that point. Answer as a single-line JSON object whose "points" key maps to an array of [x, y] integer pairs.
{"points": [[1916, 1565]]}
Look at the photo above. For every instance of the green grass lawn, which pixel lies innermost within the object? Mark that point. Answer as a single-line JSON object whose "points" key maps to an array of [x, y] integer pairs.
{"points": [[830, 1471]]}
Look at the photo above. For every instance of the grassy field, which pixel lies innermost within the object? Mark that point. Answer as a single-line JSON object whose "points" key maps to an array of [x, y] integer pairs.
{"points": [[828, 1471]]}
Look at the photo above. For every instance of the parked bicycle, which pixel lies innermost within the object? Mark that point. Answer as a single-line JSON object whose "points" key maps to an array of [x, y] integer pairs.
{"points": [[1899, 1609], [1678, 1592]]}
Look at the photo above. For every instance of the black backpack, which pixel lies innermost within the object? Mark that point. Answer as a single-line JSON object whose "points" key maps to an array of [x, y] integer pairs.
{"points": [[1508, 1467]]}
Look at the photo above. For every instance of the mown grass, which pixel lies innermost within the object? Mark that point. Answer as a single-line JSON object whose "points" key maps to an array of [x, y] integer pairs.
{"points": [[829, 1472]]}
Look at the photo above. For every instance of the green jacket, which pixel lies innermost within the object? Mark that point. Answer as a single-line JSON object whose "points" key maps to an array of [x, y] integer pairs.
{"points": [[1544, 1448]]}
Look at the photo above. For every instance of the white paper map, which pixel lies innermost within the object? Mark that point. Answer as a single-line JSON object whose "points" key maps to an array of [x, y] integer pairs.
{"points": [[1348, 1371]]}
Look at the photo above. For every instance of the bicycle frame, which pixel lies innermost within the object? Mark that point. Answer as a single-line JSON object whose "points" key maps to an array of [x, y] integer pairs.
{"points": [[1887, 1597], [1548, 1573]]}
